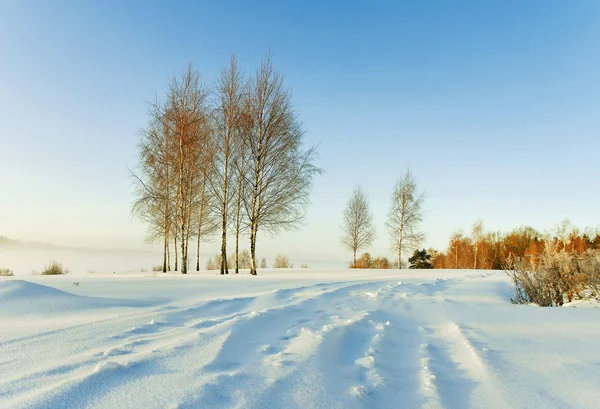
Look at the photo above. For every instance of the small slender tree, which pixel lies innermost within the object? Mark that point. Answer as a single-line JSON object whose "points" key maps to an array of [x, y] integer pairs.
{"points": [[405, 215], [477, 239], [358, 230]]}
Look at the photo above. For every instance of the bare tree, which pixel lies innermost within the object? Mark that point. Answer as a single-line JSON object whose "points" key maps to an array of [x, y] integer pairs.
{"points": [[358, 230], [155, 187], [477, 238], [405, 216], [152, 179], [279, 173], [205, 221], [187, 119], [228, 114], [241, 160]]}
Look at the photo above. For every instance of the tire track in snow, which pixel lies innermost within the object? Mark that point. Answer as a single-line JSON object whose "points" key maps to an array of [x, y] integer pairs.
{"points": [[153, 336], [344, 363], [265, 346]]}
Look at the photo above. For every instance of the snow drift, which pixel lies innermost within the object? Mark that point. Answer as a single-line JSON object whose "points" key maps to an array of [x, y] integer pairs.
{"points": [[305, 339]]}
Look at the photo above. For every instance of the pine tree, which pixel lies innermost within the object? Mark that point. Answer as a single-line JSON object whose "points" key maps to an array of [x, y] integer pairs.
{"points": [[420, 260]]}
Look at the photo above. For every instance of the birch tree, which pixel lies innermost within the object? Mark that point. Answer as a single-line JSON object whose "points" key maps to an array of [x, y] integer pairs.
{"points": [[187, 120], [152, 180], [228, 115], [206, 224], [477, 238], [358, 230], [280, 172], [405, 215]]}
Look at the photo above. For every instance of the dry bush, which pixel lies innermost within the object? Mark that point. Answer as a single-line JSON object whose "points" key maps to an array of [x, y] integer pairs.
{"points": [[5, 272], [281, 261], [304, 266], [157, 268], [380, 263], [366, 261], [363, 261], [215, 263], [557, 277], [55, 268], [243, 260]]}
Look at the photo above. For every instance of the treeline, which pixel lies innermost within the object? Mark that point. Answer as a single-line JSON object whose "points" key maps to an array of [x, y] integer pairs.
{"points": [[491, 250], [224, 159]]}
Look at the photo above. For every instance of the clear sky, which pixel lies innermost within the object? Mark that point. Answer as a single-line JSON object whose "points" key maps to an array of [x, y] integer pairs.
{"points": [[495, 106]]}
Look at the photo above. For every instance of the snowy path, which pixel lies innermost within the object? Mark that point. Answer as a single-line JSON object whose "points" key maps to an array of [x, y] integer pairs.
{"points": [[377, 339]]}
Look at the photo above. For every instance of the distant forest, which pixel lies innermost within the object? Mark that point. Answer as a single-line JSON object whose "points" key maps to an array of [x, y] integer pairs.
{"points": [[491, 250]]}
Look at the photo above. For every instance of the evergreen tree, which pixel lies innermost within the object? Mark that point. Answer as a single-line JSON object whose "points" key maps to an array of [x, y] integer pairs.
{"points": [[420, 260]]}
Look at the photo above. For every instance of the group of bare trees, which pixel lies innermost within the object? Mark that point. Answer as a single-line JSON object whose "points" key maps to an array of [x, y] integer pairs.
{"points": [[403, 219], [223, 159]]}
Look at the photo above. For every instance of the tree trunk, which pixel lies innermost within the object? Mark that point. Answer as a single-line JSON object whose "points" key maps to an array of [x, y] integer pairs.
{"points": [[165, 251], [238, 220], [254, 218], [224, 248], [168, 256], [400, 256], [224, 267], [176, 255], [354, 259], [237, 250], [253, 250], [183, 255], [198, 253], [185, 232]]}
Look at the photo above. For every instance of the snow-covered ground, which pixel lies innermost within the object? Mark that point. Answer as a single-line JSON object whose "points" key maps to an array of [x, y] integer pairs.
{"points": [[291, 339]]}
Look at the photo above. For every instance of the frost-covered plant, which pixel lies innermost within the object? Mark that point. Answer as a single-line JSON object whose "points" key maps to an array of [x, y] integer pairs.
{"points": [[5, 272], [557, 277], [54, 268], [281, 261]]}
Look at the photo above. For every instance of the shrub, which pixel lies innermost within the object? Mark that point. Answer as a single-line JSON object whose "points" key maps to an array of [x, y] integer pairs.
{"points": [[5, 272], [263, 263], [243, 260], [363, 261], [54, 268], [281, 261], [366, 261], [215, 263], [304, 266], [380, 263], [157, 268], [557, 277]]}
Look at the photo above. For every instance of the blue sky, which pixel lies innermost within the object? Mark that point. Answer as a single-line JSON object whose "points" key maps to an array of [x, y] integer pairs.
{"points": [[495, 106]]}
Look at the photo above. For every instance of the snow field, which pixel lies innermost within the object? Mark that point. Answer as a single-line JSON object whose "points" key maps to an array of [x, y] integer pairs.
{"points": [[312, 339]]}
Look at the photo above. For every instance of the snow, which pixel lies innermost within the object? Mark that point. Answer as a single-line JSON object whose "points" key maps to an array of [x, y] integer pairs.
{"points": [[292, 339]]}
